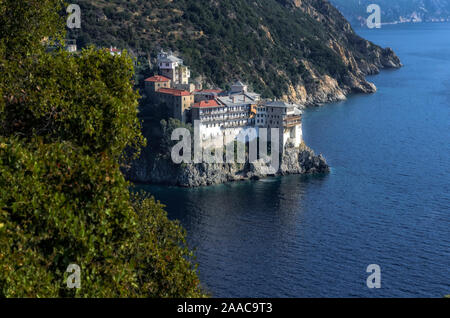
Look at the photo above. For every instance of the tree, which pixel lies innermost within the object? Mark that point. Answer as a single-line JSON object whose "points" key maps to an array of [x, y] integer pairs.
{"points": [[167, 127], [66, 122]]}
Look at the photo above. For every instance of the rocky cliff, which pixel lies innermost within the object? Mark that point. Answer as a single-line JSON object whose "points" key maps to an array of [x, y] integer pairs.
{"points": [[324, 88], [149, 169], [359, 57]]}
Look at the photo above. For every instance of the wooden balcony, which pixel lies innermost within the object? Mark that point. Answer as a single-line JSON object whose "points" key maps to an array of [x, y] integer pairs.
{"points": [[292, 121]]}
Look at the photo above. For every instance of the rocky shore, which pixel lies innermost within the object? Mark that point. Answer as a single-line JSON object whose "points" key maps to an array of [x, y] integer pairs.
{"points": [[162, 171], [322, 89]]}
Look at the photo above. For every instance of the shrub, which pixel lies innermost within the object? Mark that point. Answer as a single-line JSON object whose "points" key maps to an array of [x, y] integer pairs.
{"points": [[66, 122]]}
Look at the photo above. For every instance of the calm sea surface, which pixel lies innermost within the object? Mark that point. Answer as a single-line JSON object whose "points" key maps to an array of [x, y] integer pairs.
{"points": [[386, 201]]}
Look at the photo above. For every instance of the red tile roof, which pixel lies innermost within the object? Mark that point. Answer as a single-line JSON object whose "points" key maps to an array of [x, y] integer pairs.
{"points": [[174, 92], [206, 103], [157, 78]]}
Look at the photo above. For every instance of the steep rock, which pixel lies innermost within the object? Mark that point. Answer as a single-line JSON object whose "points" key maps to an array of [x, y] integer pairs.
{"points": [[162, 171]]}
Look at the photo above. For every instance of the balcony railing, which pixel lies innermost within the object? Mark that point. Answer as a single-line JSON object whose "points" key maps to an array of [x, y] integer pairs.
{"points": [[292, 121]]}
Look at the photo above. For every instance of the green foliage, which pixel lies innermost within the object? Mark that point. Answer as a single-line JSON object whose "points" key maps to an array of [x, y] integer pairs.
{"points": [[60, 207], [24, 24], [160, 253], [65, 122], [167, 127], [86, 98]]}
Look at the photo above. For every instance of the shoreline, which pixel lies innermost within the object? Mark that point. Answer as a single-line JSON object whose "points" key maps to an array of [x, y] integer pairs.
{"points": [[301, 161]]}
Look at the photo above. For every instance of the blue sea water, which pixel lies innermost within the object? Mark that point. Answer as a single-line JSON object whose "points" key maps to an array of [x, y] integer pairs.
{"points": [[386, 201]]}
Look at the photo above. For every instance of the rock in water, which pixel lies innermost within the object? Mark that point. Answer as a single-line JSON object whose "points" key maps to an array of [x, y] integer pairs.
{"points": [[162, 171]]}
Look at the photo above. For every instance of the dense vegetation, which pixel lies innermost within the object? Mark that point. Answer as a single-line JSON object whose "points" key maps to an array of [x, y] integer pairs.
{"points": [[262, 42], [65, 123]]}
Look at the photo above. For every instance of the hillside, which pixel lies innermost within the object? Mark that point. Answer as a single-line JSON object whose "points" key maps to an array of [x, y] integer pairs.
{"points": [[396, 11], [301, 50]]}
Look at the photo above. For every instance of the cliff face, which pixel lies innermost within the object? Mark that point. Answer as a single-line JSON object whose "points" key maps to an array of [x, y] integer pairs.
{"points": [[325, 89], [162, 171], [360, 58], [298, 50]]}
